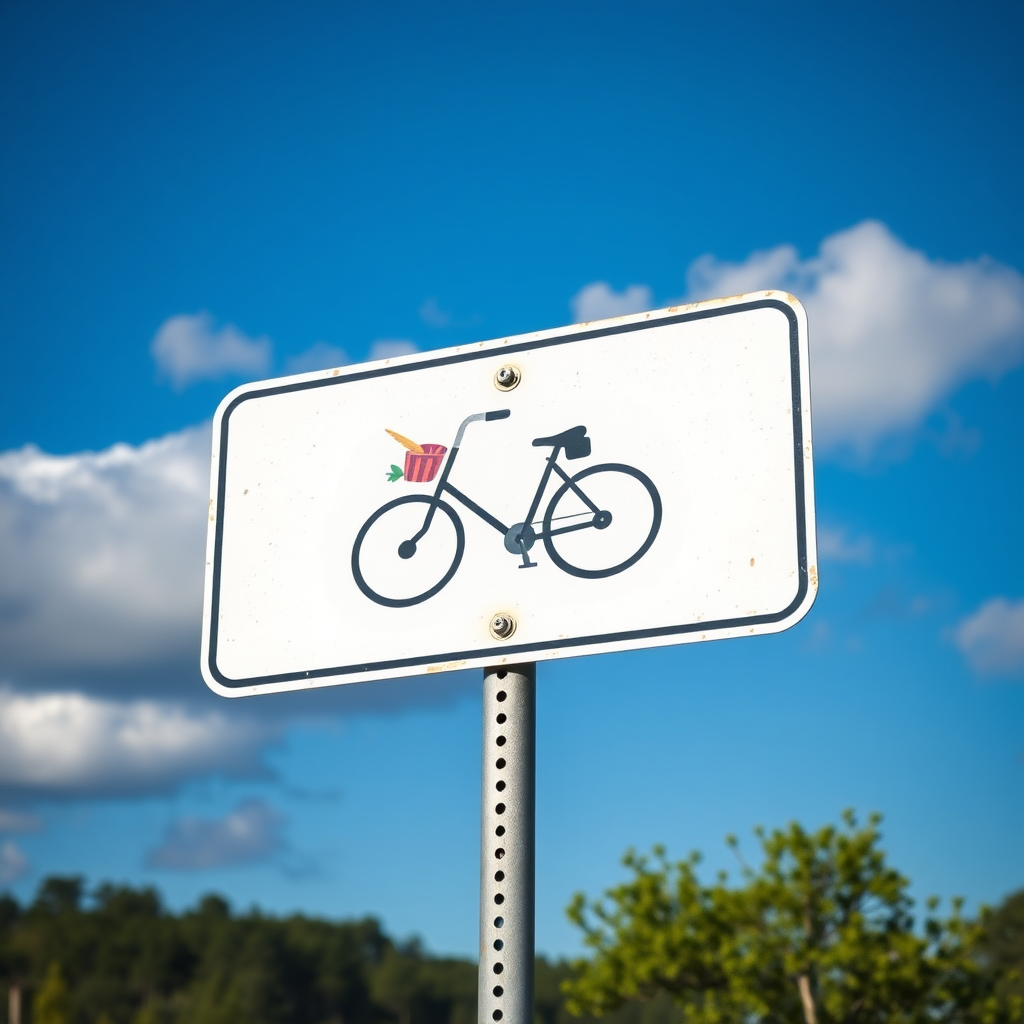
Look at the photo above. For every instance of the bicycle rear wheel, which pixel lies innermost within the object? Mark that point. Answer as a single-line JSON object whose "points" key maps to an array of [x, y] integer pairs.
{"points": [[592, 544], [389, 569]]}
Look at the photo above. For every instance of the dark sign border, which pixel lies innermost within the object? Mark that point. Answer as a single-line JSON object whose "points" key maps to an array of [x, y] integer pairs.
{"points": [[351, 673]]}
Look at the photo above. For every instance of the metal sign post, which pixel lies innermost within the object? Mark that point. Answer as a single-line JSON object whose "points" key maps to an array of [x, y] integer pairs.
{"points": [[505, 991]]}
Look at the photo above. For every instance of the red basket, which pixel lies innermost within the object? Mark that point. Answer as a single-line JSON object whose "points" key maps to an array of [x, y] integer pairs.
{"points": [[421, 469]]}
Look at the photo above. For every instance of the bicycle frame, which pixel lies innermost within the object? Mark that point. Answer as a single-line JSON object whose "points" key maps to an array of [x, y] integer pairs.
{"points": [[443, 486]]}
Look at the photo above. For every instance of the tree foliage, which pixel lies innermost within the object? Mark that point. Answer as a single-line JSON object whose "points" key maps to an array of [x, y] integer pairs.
{"points": [[121, 958], [1002, 944], [666, 949], [821, 932], [51, 1004]]}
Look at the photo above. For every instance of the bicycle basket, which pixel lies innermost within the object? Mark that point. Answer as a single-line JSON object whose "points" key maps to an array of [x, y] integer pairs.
{"points": [[421, 469], [577, 448]]}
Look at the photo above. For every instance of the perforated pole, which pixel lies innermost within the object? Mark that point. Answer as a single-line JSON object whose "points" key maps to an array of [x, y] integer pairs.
{"points": [[507, 846]]}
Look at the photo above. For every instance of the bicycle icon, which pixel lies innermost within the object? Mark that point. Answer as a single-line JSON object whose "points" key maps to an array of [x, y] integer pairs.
{"points": [[598, 523]]}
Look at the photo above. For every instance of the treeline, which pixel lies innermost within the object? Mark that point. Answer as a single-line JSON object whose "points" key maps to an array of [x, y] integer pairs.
{"points": [[118, 956]]}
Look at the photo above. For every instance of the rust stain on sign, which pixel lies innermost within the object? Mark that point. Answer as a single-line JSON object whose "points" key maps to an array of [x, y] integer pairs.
{"points": [[813, 574], [447, 666]]}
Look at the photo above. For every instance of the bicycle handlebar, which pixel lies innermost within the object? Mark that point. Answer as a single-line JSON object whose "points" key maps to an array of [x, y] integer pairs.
{"points": [[494, 414]]}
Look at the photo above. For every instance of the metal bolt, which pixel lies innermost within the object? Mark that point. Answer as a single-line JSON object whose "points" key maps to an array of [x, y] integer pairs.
{"points": [[502, 626], [507, 378]]}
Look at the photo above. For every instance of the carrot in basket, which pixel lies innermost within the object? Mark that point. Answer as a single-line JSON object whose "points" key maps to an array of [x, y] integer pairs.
{"points": [[405, 442]]}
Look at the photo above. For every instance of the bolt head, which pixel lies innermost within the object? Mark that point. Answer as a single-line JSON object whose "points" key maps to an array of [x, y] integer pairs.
{"points": [[507, 378], [502, 626]]}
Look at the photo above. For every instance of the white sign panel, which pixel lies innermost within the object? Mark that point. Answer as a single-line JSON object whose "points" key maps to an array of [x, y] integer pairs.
{"points": [[614, 485]]}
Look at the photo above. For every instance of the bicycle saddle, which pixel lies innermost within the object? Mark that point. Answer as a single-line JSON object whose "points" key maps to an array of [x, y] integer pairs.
{"points": [[574, 441]]}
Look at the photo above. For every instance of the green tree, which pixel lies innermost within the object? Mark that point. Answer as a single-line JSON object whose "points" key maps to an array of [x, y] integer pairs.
{"points": [[397, 983], [1002, 946], [51, 1004], [821, 933]]}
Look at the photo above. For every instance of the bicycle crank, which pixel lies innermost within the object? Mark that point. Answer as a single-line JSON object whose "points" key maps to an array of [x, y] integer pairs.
{"points": [[519, 538]]}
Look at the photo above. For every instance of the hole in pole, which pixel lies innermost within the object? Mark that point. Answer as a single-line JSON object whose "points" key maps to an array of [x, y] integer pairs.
{"points": [[499, 853], [502, 673], [498, 898], [500, 830], [499, 808], [501, 695], [498, 944], [500, 763], [502, 718], [496, 1015], [498, 968], [499, 876], [498, 990], [500, 741], [499, 922], [499, 785]]}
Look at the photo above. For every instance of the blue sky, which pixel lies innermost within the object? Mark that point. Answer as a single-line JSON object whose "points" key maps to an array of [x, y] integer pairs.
{"points": [[268, 187]]}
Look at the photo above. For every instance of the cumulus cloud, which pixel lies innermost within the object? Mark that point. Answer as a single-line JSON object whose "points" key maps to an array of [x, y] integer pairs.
{"points": [[599, 300], [13, 863], [992, 638], [103, 555], [892, 332], [190, 347], [71, 743], [388, 348], [250, 833], [319, 356]]}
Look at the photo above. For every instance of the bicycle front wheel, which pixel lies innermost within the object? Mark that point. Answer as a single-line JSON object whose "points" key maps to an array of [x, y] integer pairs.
{"points": [[391, 569], [602, 521]]}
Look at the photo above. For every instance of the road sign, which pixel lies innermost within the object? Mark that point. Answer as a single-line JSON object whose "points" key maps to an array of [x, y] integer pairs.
{"points": [[619, 484]]}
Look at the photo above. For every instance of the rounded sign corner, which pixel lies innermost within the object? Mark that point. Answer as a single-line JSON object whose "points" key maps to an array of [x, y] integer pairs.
{"points": [[803, 602], [216, 680]]}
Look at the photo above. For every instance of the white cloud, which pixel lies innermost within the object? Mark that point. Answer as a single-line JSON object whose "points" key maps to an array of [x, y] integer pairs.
{"points": [[103, 555], [188, 348], [835, 544], [389, 348], [67, 743], [252, 832], [101, 568], [992, 638], [598, 300], [319, 356], [892, 332], [13, 863]]}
